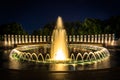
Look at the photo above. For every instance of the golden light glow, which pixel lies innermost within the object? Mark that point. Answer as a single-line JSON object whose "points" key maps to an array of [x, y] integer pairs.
{"points": [[59, 55], [59, 49], [59, 67]]}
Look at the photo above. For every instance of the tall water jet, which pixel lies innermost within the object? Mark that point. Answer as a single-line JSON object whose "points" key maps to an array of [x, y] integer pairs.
{"points": [[59, 47]]}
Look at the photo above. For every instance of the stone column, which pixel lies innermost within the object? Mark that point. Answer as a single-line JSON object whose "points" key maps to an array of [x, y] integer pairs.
{"points": [[99, 38], [95, 38], [88, 38], [12, 39], [84, 38], [109, 38], [9, 41], [81, 38], [29, 38], [106, 38], [19, 39], [16, 39], [77, 38], [92, 38], [26, 39], [70, 38], [22, 38], [40, 38], [5, 40], [73, 38], [44, 38], [37, 39], [102, 38], [33, 39]]}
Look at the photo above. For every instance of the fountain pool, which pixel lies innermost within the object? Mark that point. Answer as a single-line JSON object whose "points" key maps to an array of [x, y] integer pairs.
{"points": [[59, 52], [85, 55]]}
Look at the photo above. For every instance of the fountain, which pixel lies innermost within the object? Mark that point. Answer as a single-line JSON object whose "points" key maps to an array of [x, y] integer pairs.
{"points": [[59, 48], [59, 53]]}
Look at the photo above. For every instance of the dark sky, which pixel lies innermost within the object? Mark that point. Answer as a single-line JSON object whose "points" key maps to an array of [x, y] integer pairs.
{"points": [[33, 14]]}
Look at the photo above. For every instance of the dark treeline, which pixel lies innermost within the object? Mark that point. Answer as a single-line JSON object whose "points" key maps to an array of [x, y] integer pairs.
{"points": [[88, 26], [12, 28]]}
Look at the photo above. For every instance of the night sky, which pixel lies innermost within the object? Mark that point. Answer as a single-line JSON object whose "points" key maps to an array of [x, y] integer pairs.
{"points": [[33, 14]]}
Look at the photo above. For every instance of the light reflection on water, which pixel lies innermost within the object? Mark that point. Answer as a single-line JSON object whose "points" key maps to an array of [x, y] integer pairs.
{"points": [[55, 67], [59, 76], [58, 67]]}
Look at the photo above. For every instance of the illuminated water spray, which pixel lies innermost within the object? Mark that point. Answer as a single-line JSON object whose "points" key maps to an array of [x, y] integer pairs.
{"points": [[59, 48]]}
